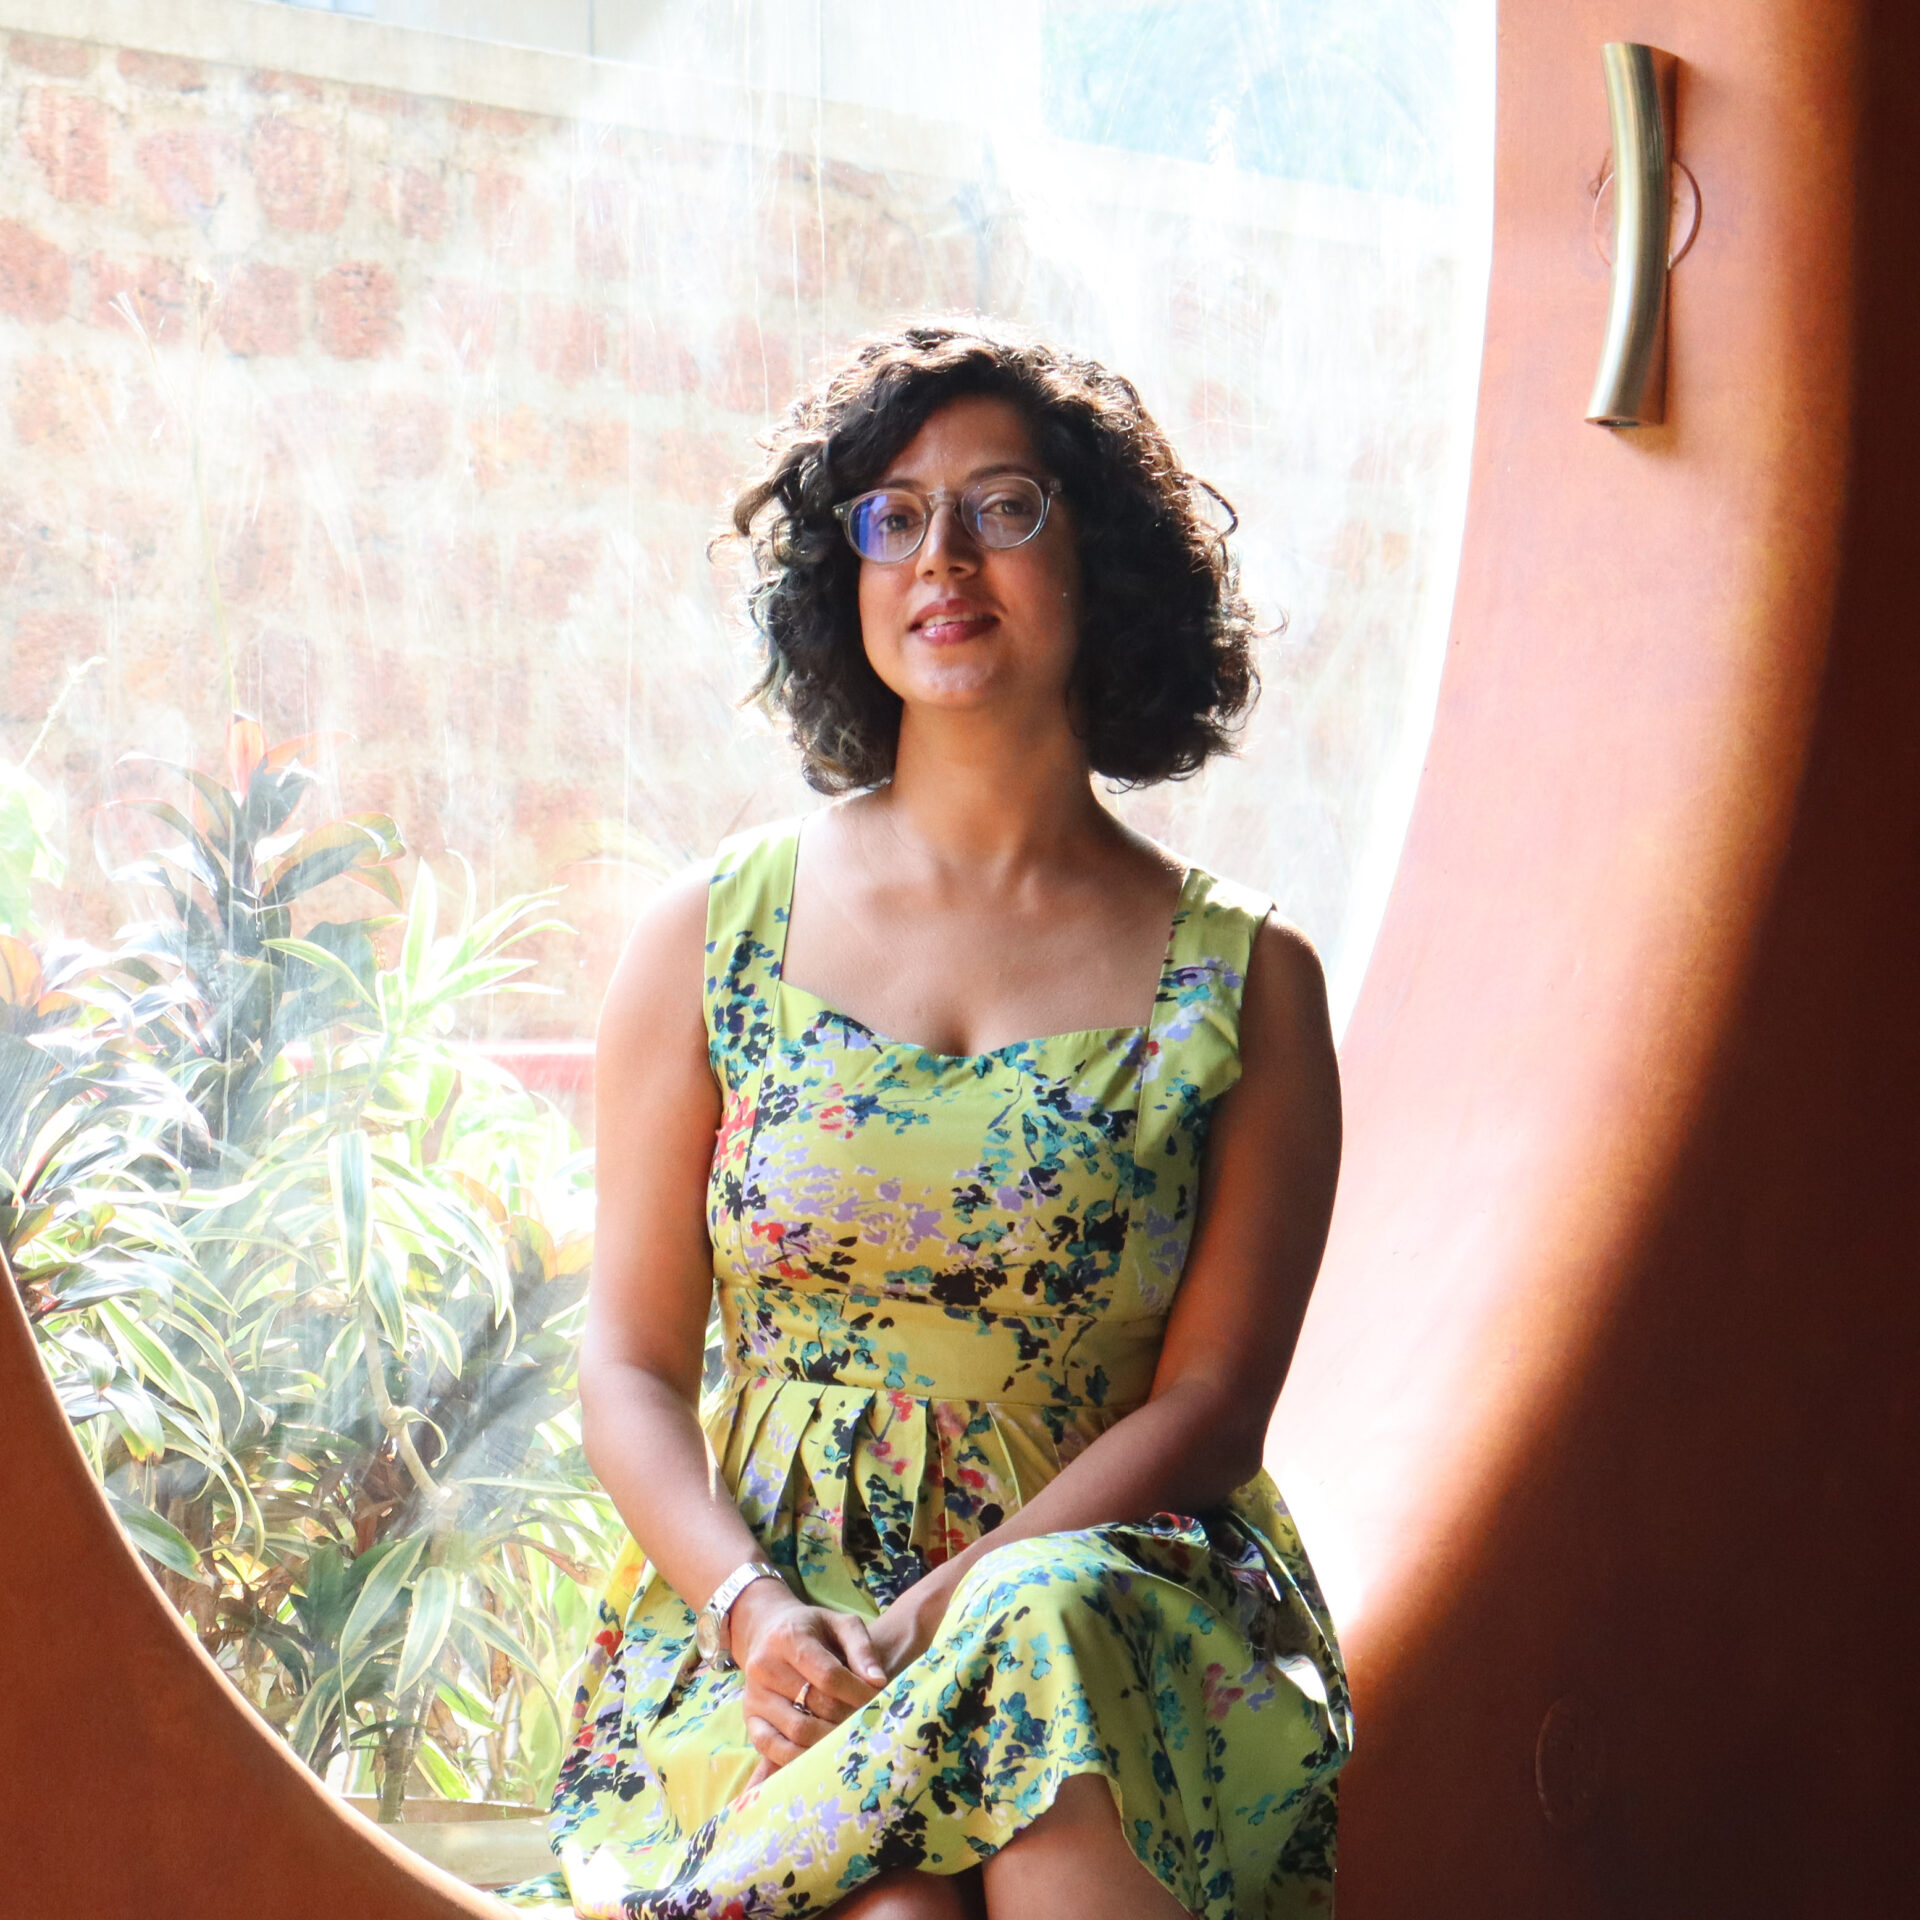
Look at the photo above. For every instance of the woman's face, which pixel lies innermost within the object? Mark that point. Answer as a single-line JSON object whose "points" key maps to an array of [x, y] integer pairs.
{"points": [[963, 626]]}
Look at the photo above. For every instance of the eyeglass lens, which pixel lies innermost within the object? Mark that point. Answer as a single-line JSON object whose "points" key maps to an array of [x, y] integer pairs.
{"points": [[890, 523]]}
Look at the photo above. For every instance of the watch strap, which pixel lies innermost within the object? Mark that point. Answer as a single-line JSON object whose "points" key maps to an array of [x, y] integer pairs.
{"points": [[715, 1612]]}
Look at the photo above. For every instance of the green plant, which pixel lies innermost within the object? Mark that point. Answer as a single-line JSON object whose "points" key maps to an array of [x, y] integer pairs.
{"points": [[27, 849], [90, 1245], [352, 1301]]}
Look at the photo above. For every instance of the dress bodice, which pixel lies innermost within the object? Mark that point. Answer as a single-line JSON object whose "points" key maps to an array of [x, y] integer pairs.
{"points": [[1005, 1227]]}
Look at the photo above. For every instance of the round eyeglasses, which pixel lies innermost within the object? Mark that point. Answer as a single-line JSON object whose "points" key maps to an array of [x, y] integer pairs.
{"points": [[888, 524]]}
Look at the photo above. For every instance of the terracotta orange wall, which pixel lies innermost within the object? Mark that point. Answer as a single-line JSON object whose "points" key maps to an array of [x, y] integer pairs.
{"points": [[1612, 1375], [1612, 1372]]}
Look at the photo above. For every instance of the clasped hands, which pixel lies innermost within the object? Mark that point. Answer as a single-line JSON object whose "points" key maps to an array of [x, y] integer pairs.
{"points": [[806, 1668]]}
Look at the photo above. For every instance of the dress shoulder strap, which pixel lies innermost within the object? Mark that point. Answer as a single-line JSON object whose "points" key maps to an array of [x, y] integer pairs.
{"points": [[747, 903], [1193, 1045]]}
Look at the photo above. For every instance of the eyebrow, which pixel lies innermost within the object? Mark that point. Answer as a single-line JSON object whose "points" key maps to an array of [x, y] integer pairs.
{"points": [[1027, 467]]}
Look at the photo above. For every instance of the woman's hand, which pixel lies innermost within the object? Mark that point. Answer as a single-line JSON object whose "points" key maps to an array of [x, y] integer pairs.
{"points": [[905, 1628], [782, 1645]]}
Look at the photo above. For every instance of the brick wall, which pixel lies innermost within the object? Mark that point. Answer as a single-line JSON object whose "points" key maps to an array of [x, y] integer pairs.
{"points": [[409, 416]]}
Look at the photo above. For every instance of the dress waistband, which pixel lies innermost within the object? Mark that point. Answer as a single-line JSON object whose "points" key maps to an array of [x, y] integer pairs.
{"points": [[930, 1351], [1090, 1414]]}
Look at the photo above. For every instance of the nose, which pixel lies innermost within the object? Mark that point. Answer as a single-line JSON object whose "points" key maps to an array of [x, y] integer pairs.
{"points": [[947, 546]]}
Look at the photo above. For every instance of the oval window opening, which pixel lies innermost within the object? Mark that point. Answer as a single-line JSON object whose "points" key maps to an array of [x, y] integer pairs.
{"points": [[375, 391]]}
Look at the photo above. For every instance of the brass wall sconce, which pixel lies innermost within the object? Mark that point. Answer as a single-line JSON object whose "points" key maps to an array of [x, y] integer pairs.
{"points": [[1630, 389]]}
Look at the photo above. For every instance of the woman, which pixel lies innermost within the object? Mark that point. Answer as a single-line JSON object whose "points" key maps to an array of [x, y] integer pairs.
{"points": [[964, 1592]]}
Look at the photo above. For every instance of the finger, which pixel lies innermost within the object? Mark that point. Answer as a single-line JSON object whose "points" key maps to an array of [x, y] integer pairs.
{"points": [[856, 1649], [806, 1674], [797, 1726], [763, 1772], [773, 1746], [834, 1690]]}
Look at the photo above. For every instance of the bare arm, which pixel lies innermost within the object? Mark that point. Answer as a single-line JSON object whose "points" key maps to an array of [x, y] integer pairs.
{"points": [[1267, 1195], [656, 1110]]}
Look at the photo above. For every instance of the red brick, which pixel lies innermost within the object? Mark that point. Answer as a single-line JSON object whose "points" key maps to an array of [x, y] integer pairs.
{"points": [[380, 570], [147, 674], [953, 273], [555, 817], [599, 252], [156, 288], [415, 201], [277, 673], [756, 370], [600, 229], [67, 133], [357, 310], [385, 100], [597, 452], [163, 70], [137, 537], [565, 340], [36, 278], [390, 678], [467, 572], [1210, 405], [505, 443], [259, 313], [300, 174], [64, 59], [493, 701], [515, 224], [659, 363], [407, 436], [697, 468], [881, 261], [553, 573], [26, 560], [266, 80], [467, 313], [183, 165], [502, 122], [793, 254], [256, 556], [45, 645]]}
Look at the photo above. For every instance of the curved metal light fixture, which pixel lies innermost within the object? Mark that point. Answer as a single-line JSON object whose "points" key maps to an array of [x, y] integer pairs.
{"points": [[1630, 390]]}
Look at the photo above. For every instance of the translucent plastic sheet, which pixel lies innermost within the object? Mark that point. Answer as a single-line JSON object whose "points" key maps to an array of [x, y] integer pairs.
{"points": [[385, 387]]}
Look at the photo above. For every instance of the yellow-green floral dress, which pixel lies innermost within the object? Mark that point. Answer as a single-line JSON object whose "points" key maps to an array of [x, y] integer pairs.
{"points": [[938, 1279]]}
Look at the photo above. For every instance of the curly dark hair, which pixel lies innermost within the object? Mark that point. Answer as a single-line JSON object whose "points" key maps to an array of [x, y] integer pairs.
{"points": [[1165, 669]]}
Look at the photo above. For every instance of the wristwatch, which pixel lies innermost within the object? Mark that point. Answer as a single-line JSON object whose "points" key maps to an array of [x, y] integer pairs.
{"points": [[710, 1633]]}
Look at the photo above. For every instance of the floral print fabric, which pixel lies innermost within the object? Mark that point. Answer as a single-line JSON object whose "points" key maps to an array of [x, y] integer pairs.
{"points": [[938, 1278]]}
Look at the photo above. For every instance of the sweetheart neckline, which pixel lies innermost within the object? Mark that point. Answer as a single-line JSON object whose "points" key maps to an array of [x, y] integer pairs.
{"points": [[1135, 1031]]}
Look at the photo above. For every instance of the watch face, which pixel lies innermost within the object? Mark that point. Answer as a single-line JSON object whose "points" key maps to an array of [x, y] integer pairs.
{"points": [[706, 1633]]}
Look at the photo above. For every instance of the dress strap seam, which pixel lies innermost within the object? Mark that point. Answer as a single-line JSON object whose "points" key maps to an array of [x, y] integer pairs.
{"points": [[743, 892], [787, 848], [1192, 891]]}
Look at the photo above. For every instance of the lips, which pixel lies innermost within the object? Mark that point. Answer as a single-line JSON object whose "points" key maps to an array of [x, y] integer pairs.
{"points": [[951, 622]]}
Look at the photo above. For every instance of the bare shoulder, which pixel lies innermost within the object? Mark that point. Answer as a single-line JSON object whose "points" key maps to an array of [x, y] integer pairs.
{"points": [[658, 981], [1286, 989], [1289, 1071]]}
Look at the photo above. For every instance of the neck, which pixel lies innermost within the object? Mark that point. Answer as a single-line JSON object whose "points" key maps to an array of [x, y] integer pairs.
{"points": [[972, 793]]}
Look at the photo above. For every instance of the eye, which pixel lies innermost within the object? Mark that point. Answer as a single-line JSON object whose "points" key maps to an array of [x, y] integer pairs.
{"points": [[1005, 512], [886, 517]]}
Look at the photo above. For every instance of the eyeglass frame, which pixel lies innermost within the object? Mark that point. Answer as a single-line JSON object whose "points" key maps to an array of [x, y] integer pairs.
{"points": [[933, 501]]}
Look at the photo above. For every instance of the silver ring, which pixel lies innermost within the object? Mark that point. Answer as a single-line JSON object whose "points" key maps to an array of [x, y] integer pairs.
{"points": [[800, 1698]]}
